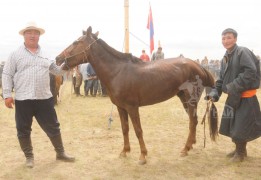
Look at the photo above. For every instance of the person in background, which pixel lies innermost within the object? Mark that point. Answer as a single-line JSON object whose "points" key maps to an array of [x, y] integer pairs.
{"points": [[74, 72], [83, 71], [27, 71], [144, 56], [92, 83], [78, 80], [157, 55], [103, 89], [204, 63], [239, 78]]}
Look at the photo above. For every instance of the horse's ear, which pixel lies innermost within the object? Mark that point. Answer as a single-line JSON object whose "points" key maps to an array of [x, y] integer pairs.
{"points": [[89, 31], [84, 32], [96, 34]]}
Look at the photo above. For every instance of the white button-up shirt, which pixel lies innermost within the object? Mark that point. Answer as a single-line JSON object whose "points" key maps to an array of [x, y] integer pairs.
{"points": [[28, 74]]}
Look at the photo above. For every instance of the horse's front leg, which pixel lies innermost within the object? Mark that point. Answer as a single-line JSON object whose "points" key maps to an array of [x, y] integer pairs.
{"points": [[135, 118], [125, 131], [193, 121]]}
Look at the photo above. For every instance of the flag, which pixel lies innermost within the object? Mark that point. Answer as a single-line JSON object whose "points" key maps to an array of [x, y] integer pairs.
{"points": [[150, 27]]}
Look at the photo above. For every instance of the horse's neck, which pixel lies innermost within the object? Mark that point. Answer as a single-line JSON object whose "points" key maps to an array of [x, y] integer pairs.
{"points": [[105, 64]]}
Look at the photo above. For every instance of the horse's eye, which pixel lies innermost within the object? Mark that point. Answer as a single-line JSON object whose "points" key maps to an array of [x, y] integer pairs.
{"points": [[75, 42]]}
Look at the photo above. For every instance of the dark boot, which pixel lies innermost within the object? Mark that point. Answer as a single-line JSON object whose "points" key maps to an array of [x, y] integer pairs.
{"points": [[58, 146], [78, 91], [94, 93], [85, 93], [27, 148], [231, 154], [240, 153]]}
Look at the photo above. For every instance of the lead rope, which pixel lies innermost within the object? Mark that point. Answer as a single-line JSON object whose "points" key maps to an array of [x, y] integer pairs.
{"points": [[204, 121]]}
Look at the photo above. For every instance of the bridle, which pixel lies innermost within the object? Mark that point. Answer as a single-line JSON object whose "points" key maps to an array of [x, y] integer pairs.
{"points": [[84, 51]]}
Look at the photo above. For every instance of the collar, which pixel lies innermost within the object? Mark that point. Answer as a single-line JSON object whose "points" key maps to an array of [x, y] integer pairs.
{"points": [[36, 52], [233, 50]]}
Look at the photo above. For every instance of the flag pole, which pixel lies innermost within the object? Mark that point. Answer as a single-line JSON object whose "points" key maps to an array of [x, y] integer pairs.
{"points": [[126, 25]]}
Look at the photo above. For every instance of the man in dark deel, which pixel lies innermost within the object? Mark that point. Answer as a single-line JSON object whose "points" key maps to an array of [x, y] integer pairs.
{"points": [[239, 78]]}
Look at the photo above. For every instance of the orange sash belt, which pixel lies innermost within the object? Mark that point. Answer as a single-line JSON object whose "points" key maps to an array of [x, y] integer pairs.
{"points": [[248, 93]]}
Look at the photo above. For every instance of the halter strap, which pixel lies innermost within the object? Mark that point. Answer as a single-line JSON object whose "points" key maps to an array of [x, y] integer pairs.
{"points": [[83, 51]]}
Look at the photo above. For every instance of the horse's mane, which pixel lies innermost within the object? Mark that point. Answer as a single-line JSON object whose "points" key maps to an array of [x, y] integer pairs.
{"points": [[120, 55]]}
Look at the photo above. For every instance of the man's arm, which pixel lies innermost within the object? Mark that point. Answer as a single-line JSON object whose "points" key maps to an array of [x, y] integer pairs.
{"points": [[245, 78], [58, 70], [7, 77]]}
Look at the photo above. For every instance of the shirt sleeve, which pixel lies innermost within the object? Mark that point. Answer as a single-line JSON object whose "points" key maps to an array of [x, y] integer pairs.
{"points": [[55, 69], [8, 76]]}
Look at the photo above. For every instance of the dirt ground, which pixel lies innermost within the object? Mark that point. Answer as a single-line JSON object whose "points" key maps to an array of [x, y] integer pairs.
{"points": [[84, 126]]}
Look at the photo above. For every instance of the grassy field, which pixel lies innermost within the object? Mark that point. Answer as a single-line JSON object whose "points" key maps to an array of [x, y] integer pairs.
{"points": [[84, 125]]}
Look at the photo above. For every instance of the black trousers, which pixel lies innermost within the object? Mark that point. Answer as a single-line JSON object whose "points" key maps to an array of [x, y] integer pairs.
{"points": [[44, 113], [92, 84]]}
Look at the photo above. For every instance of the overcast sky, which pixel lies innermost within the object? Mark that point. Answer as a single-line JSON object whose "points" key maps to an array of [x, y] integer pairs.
{"points": [[189, 27]]}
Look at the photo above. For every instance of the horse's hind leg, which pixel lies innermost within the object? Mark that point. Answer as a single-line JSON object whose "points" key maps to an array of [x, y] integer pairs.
{"points": [[191, 109], [125, 131]]}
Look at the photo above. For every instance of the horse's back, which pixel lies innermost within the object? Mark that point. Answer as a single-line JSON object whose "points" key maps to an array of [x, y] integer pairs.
{"points": [[187, 69]]}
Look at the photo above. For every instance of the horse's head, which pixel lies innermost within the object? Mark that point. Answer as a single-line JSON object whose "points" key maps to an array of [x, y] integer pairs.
{"points": [[79, 51]]}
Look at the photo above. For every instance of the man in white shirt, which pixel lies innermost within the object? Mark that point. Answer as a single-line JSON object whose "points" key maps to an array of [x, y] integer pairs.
{"points": [[27, 71]]}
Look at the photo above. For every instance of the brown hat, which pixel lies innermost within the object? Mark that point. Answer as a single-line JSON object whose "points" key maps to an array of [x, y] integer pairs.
{"points": [[31, 26]]}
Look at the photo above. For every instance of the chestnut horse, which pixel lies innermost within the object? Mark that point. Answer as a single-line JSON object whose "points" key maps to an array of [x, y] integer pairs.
{"points": [[132, 83]]}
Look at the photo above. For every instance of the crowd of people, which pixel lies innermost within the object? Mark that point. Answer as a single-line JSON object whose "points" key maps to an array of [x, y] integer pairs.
{"points": [[92, 86], [213, 65]]}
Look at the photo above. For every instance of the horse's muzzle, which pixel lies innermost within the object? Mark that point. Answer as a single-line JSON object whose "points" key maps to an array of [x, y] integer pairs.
{"points": [[59, 60]]}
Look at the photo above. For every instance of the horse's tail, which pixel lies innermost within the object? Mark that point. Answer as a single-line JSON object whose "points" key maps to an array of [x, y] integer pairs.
{"points": [[212, 110], [213, 122], [211, 113]]}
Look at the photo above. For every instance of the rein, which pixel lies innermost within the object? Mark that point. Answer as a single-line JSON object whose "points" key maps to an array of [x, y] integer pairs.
{"points": [[82, 52]]}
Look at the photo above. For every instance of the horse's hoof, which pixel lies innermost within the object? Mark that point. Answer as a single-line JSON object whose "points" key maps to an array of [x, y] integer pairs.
{"points": [[142, 162], [183, 153], [123, 155]]}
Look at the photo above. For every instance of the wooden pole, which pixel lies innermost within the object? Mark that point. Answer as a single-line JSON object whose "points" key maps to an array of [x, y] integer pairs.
{"points": [[159, 45], [126, 25]]}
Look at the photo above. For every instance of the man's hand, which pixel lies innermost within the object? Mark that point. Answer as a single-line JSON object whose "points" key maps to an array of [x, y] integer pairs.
{"points": [[9, 102], [213, 96]]}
